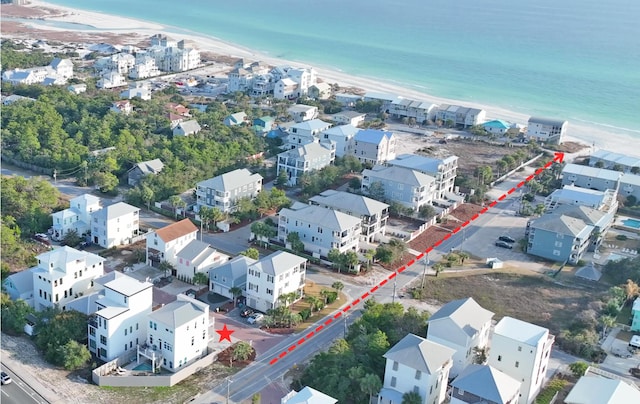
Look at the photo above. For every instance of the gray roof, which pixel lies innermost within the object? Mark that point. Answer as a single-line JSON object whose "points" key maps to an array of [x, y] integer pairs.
{"points": [[588, 215], [616, 158], [116, 210], [423, 164], [519, 330], [197, 251], [600, 390], [233, 271], [190, 126], [57, 62], [467, 314], [313, 124], [347, 130], [350, 114], [22, 281], [630, 179], [127, 286], [345, 201], [546, 121], [308, 151], [573, 194], [278, 262], [560, 224], [301, 108], [593, 172], [177, 313], [150, 167], [400, 175], [231, 180], [420, 354], [327, 218], [589, 272], [310, 396], [487, 383]]}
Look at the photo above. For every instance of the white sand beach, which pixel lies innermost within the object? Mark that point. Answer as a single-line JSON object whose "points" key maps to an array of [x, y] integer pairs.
{"points": [[589, 135]]}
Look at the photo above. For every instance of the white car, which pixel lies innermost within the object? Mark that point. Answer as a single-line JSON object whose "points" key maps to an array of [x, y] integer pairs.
{"points": [[255, 318]]}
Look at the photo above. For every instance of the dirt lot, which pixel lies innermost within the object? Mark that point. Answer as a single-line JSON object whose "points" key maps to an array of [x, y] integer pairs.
{"points": [[532, 298]]}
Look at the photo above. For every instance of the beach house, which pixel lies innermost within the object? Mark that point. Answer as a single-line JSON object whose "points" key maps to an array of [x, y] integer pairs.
{"points": [[121, 107], [418, 111], [229, 275], [615, 161], [348, 117], [443, 170], [457, 115], [224, 191], [186, 128], [306, 158], [599, 179], [197, 257], [302, 112], [341, 135], [417, 365], [115, 225], [546, 130], [410, 188], [372, 146], [164, 244], [239, 118], [142, 169], [76, 218], [601, 388], [484, 384], [320, 91], [521, 350]]}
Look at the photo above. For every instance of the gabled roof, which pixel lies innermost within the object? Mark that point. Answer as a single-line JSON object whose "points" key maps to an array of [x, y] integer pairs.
{"points": [[347, 131], [561, 224], [467, 314], [178, 312], [190, 126], [296, 108], [322, 86], [197, 252], [311, 125], [238, 117], [127, 286], [325, 217], [630, 179], [57, 62], [420, 354], [589, 215], [87, 198], [231, 180], [116, 210], [519, 330], [310, 396], [22, 281], [400, 175], [488, 383], [232, 270], [176, 230], [421, 163], [278, 262], [600, 390], [358, 204], [546, 121], [616, 158], [150, 167], [586, 171], [373, 136], [308, 151]]}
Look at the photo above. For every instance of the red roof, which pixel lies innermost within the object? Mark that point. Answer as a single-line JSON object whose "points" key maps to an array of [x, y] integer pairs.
{"points": [[176, 230]]}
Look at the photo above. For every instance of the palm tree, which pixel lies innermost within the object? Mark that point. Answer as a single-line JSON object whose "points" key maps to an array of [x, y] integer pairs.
{"points": [[463, 256], [607, 322], [200, 278], [411, 398], [242, 351], [370, 384], [338, 286], [235, 292], [313, 302], [166, 266], [174, 201]]}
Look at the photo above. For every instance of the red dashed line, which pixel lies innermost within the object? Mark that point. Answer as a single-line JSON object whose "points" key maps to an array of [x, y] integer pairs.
{"points": [[558, 157]]}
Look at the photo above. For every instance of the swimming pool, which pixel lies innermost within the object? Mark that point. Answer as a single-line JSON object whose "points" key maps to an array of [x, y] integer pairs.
{"points": [[632, 223], [616, 257], [143, 366]]}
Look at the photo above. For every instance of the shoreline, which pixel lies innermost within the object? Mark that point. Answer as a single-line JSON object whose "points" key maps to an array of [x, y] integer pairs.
{"points": [[589, 135]]}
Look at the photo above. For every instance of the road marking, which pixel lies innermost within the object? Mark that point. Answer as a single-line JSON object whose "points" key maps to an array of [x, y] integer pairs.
{"points": [[558, 158]]}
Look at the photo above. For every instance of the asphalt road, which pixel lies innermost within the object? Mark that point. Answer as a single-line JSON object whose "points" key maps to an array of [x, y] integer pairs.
{"points": [[18, 392]]}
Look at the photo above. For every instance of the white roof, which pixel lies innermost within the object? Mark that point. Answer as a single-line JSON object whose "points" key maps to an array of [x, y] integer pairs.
{"points": [[231, 180], [116, 210], [467, 314], [600, 390], [278, 262], [348, 202], [400, 175], [519, 330], [325, 217], [593, 172], [309, 396], [127, 286], [630, 179], [420, 354]]}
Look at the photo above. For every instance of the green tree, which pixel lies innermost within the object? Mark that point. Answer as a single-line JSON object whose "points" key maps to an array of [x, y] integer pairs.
{"points": [[607, 322], [14, 316], [578, 368], [73, 355], [200, 278], [411, 398], [376, 191], [355, 184], [296, 244], [56, 329], [235, 292], [370, 384], [251, 253], [71, 238], [147, 195], [335, 256], [263, 232], [426, 212], [338, 286], [242, 351], [106, 182], [283, 178], [167, 268], [176, 202]]}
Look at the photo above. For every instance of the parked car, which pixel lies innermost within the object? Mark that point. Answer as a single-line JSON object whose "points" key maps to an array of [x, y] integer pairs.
{"points": [[246, 312], [255, 318], [6, 379], [503, 244], [43, 238], [507, 239]]}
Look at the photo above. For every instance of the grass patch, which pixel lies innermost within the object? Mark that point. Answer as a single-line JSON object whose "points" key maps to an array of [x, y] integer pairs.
{"points": [[313, 289], [625, 315]]}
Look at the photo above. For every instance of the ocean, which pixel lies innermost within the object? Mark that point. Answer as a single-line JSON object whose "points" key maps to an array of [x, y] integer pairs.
{"points": [[569, 59]]}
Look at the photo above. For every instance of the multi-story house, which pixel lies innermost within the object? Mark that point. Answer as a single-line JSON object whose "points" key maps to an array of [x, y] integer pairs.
{"points": [[635, 315], [115, 225], [19, 285], [373, 214], [286, 89], [309, 128], [410, 188], [320, 91], [462, 325], [602, 388], [521, 350], [62, 275], [484, 384], [121, 107], [419, 110], [571, 195], [178, 333], [304, 77], [223, 192], [119, 324], [165, 243], [372, 146], [186, 128], [567, 232], [142, 169], [384, 99], [320, 229], [144, 67], [241, 78], [302, 112], [348, 100], [275, 275], [460, 116], [76, 218], [546, 130], [306, 396], [263, 124], [197, 256], [615, 161], [349, 117], [119, 63], [239, 118], [341, 135], [630, 186], [111, 80], [137, 92], [443, 170], [416, 365], [62, 67], [231, 274], [306, 158], [599, 179]]}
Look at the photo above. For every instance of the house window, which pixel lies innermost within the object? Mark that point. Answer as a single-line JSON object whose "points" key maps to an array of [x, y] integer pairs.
{"points": [[519, 349], [204, 334], [517, 364], [393, 381], [125, 331], [395, 365], [193, 340], [125, 347], [103, 340], [499, 358], [416, 389], [418, 374]]}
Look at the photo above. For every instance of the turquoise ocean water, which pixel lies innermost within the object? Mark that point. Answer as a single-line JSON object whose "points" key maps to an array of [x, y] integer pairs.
{"points": [[572, 59]]}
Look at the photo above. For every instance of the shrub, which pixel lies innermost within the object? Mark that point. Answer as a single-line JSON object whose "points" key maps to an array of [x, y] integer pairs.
{"points": [[332, 297], [621, 237], [305, 314]]}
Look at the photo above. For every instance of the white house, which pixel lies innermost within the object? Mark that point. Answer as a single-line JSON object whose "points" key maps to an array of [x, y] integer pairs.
{"points": [[230, 274], [77, 217], [145, 67], [320, 229], [484, 384], [599, 179], [224, 191], [121, 107], [62, 275], [273, 276], [373, 214], [302, 112], [19, 285], [522, 351], [62, 67], [198, 256], [309, 128], [460, 116], [410, 188], [609, 160], [340, 135], [596, 389], [462, 325], [238, 118], [443, 170], [111, 80], [420, 111], [419, 365], [348, 117], [140, 92], [306, 158], [372, 146], [165, 243], [119, 325], [320, 91], [77, 88], [286, 89], [178, 334], [546, 130], [186, 128], [307, 396], [115, 225]]}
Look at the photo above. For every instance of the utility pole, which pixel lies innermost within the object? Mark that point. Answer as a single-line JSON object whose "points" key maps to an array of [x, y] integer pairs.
{"points": [[345, 325], [55, 176], [395, 282], [228, 388], [424, 270]]}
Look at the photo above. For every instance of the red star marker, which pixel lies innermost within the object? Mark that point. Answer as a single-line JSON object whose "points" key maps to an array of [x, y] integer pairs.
{"points": [[225, 333]]}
